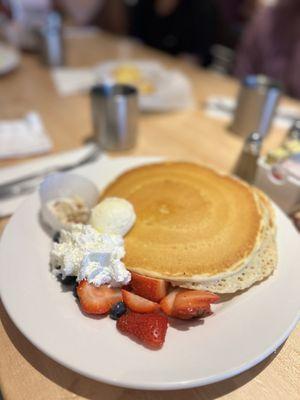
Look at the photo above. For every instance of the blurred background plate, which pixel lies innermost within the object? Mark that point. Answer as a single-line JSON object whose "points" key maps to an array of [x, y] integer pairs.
{"points": [[160, 89]]}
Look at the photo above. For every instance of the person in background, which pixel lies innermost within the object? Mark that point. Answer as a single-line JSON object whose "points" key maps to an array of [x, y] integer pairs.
{"points": [[271, 45], [233, 16], [178, 27], [110, 15]]}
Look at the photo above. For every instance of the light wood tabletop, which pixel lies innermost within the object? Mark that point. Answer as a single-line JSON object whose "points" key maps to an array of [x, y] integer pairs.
{"points": [[25, 372]]}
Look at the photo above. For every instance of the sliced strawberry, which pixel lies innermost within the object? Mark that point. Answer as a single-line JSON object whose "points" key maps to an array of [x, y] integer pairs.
{"points": [[189, 312], [197, 295], [187, 304], [150, 288], [97, 300], [150, 329], [167, 303], [193, 303], [138, 304]]}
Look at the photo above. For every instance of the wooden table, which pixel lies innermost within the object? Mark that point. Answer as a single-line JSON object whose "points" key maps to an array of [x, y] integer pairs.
{"points": [[25, 372]]}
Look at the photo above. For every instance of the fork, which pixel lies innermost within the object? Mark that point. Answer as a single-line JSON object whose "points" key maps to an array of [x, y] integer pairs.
{"points": [[29, 182]]}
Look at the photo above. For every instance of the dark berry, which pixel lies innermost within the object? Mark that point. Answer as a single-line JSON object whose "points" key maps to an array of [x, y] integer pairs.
{"points": [[75, 290], [56, 237], [117, 310], [68, 280]]}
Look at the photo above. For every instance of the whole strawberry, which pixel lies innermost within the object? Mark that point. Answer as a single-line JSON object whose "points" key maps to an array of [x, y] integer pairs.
{"points": [[150, 329]]}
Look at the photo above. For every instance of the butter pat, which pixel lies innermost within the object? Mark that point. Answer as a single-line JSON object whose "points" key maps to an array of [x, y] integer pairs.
{"points": [[113, 215]]}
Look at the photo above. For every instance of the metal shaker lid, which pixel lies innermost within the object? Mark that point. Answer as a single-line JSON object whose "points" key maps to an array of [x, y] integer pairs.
{"points": [[253, 143], [262, 81], [294, 132]]}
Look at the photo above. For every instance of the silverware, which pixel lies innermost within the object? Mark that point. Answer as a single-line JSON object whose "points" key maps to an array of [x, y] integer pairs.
{"points": [[28, 183], [256, 105], [115, 116]]}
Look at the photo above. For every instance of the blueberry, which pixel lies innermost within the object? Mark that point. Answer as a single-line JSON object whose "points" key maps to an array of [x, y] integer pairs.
{"points": [[117, 310], [75, 290], [68, 280], [56, 237]]}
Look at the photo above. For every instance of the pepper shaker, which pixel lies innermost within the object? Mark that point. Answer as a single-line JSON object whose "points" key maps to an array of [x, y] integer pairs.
{"points": [[294, 131], [246, 165]]}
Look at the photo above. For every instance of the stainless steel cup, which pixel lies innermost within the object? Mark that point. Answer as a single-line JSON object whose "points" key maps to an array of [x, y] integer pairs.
{"points": [[51, 43], [256, 105], [115, 116]]}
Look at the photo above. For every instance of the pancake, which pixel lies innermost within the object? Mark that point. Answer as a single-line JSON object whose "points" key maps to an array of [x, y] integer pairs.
{"points": [[193, 223], [259, 267]]}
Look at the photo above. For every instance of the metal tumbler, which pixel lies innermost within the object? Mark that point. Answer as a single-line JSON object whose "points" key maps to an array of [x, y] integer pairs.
{"points": [[256, 105], [115, 116], [51, 41]]}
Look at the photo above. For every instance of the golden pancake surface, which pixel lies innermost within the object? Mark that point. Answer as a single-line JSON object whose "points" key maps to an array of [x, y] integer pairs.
{"points": [[192, 222]]}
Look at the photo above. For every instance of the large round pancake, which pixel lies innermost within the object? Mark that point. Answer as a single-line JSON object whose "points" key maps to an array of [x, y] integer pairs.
{"points": [[192, 222], [258, 267]]}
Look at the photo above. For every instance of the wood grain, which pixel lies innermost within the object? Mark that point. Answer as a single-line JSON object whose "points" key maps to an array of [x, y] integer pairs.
{"points": [[25, 372]]}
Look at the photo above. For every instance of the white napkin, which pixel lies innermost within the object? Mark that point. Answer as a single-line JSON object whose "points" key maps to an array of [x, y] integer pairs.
{"points": [[222, 107], [70, 81], [23, 137], [8, 206]]}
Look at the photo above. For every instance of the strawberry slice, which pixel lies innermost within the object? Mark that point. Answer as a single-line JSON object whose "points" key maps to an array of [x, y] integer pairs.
{"points": [[150, 288], [187, 304], [202, 296], [97, 300], [138, 304], [192, 311], [150, 329], [167, 303]]}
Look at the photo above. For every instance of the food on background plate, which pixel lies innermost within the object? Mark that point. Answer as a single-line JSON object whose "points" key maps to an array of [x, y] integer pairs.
{"points": [[132, 75], [163, 241]]}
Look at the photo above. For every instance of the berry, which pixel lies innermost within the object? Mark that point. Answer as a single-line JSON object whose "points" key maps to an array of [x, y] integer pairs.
{"points": [[150, 329], [150, 288], [97, 300], [56, 237], [187, 304], [167, 303], [138, 304], [74, 290], [117, 310], [68, 280]]}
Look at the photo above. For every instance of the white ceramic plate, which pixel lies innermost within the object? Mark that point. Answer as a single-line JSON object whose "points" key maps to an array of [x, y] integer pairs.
{"points": [[9, 59], [241, 333], [172, 89]]}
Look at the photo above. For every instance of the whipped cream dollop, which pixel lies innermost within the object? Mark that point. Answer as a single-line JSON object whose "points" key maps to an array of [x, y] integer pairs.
{"points": [[90, 255], [113, 215]]}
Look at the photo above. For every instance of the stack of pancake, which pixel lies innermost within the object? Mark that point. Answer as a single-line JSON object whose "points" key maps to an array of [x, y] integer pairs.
{"points": [[197, 228]]}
